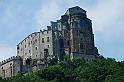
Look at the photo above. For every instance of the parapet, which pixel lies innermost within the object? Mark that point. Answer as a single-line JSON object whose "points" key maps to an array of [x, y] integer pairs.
{"points": [[48, 27], [9, 59]]}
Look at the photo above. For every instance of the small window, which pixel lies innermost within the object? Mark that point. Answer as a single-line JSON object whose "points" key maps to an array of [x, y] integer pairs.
{"points": [[87, 60], [17, 47], [81, 39], [29, 43], [36, 48], [36, 55], [68, 42], [25, 46], [47, 32], [48, 46], [29, 51], [48, 39], [81, 46], [42, 40], [2, 67], [36, 40], [10, 63], [42, 32]]}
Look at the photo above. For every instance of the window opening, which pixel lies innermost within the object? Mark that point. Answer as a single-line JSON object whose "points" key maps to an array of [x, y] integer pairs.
{"points": [[36, 40], [48, 46], [42, 40], [47, 39]]}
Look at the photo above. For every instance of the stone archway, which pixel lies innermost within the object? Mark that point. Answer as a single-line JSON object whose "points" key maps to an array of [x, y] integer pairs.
{"points": [[28, 61]]}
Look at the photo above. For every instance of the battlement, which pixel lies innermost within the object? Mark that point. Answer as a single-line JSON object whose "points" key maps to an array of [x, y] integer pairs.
{"points": [[9, 59]]}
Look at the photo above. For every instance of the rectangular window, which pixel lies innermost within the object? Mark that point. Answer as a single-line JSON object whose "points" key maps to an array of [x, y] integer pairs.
{"points": [[48, 46], [42, 40], [68, 42], [36, 40], [48, 39]]}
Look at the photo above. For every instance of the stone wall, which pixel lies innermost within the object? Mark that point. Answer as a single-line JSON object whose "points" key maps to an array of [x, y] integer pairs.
{"points": [[33, 46], [88, 58], [10, 66]]}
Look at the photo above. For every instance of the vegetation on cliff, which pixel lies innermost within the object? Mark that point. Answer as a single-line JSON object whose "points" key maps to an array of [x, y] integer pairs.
{"points": [[76, 70]]}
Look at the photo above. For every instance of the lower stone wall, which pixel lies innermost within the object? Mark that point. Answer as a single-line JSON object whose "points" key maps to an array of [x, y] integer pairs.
{"points": [[88, 58]]}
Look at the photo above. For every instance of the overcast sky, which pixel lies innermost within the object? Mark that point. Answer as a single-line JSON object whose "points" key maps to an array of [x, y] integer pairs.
{"points": [[19, 18]]}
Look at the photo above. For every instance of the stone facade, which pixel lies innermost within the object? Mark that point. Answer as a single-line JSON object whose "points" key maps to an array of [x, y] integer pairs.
{"points": [[10, 66], [71, 35]]}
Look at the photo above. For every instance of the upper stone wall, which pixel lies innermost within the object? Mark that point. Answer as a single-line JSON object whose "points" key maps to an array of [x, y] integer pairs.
{"points": [[75, 10]]}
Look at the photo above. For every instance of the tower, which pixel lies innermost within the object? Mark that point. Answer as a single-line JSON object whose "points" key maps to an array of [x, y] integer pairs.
{"points": [[77, 34]]}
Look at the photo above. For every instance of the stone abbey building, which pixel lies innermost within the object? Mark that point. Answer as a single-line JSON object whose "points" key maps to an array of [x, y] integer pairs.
{"points": [[71, 35]]}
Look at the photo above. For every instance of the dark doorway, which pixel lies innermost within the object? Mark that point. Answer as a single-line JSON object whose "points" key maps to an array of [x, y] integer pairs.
{"points": [[28, 61]]}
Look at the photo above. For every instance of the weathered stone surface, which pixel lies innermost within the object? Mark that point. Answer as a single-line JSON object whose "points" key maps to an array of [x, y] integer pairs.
{"points": [[72, 34]]}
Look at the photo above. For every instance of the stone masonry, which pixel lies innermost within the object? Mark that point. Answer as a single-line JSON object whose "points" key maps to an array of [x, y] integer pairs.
{"points": [[70, 35]]}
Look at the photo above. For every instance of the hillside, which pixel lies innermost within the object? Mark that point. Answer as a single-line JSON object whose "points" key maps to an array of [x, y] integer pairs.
{"points": [[76, 70]]}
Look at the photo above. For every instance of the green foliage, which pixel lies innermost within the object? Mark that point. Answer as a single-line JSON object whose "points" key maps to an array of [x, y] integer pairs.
{"points": [[55, 80], [54, 61], [75, 70], [49, 73], [76, 62]]}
